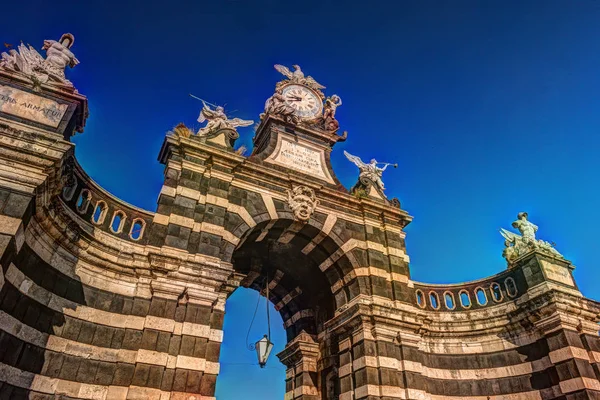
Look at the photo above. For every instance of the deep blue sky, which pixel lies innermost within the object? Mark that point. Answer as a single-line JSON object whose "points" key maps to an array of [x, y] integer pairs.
{"points": [[490, 108]]}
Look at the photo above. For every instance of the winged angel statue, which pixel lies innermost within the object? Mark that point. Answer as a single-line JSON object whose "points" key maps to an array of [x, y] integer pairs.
{"points": [[50, 69], [297, 76], [517, 245], [217, 120], [370, 171]]}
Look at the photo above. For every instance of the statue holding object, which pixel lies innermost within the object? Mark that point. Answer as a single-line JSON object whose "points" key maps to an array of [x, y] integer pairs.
{"points": [[518, 245], [371, 171], [217, 120], [28, 61], [329, 109], [278, 106]]}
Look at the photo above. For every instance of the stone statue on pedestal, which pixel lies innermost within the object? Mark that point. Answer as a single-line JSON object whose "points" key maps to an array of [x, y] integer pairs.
{"points": [[28, 61], [217, 120], [369, 171], [518, 245], [329, 109]]}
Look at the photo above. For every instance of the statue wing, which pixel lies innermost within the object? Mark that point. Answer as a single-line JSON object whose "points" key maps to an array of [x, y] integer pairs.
{"points": [[356, 160], [29, 57], [282, 69], [508, 235], [205, 114], [237, 122], [313, 84]]}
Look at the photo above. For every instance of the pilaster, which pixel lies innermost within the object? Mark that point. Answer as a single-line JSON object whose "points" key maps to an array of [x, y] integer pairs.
{"points": [[300, 356]]}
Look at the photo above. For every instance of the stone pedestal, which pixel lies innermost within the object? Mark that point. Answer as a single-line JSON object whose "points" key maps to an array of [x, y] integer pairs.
{"points": [[300, 356]]}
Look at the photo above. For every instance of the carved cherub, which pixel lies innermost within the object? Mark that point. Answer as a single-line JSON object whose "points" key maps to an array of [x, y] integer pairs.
{"points": [[329, 109]]}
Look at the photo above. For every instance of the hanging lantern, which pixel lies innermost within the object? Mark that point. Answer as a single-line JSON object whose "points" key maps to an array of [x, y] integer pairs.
{"points": [[263, 349]]}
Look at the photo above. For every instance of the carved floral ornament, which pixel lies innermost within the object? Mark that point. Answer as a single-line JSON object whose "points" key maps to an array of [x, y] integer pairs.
{"points": [[303, 202]]}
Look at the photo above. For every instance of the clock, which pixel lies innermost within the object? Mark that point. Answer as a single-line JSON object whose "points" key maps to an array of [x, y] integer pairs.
{"points": [[306, 102]]}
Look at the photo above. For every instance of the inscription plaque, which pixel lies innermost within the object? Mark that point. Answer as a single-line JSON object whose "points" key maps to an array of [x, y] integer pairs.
{"points": [[31, 107], [302, 157], [557, 273]]}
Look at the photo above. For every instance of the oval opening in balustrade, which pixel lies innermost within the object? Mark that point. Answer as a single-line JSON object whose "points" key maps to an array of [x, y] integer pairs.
{"points": [[465, 299], [481, 296], [434, 300], [117, 222], [511, 287], [69, 191], [497, 295], [420, 298], [137, 229], [449, 300], [83, 201], [99, 212]]}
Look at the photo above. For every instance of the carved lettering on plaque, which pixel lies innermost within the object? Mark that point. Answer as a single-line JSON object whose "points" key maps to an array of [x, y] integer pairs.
{"points": [[557, 273], [31, 107], [301, 157]]}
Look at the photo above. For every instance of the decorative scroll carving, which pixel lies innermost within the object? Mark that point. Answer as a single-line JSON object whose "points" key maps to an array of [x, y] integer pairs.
{"points": [[303, 201], [518, 245]]}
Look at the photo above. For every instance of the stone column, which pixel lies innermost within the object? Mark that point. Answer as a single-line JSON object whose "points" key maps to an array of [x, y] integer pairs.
{"points": [[300, 356], [572, 347], [374, 360], [32, 155]]}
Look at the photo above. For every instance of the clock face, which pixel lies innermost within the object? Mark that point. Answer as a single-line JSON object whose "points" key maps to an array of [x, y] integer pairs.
{"points": [[306, 102]]}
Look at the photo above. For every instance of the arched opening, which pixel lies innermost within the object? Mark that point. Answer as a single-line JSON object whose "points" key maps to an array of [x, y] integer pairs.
{"points": [[118, 220], [297, 287], [449, 299], [238, 364], [99, 212], [511, 287], [434, 300], [83, 201], [496, 292], [465, 299], [481, 296], [137, 229], [420, 298], [69, 191], [275, 254]]}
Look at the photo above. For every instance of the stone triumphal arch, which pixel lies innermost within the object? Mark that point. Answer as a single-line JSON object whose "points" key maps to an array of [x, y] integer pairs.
{"points": [[103, 300]]}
